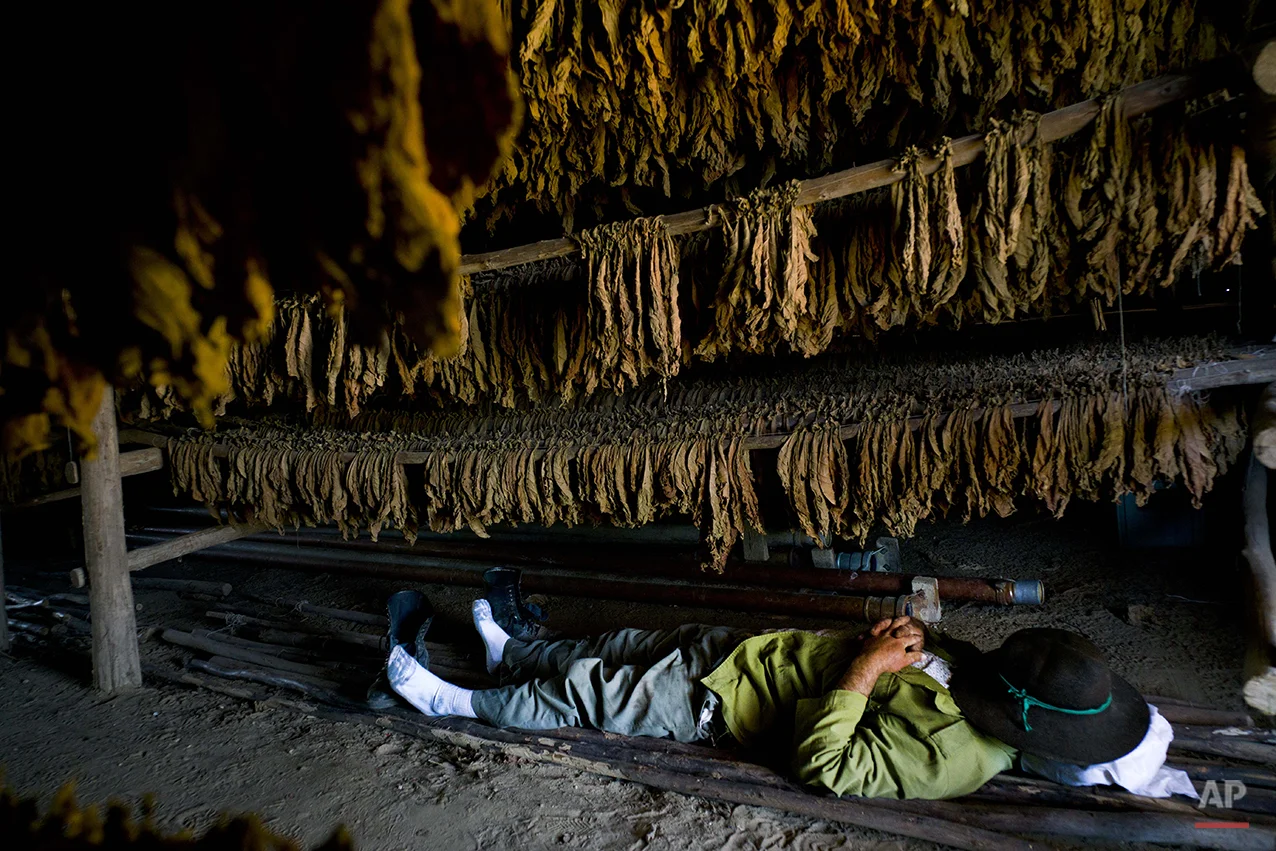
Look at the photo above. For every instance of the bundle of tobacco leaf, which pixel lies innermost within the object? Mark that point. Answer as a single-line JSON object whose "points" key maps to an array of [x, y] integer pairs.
{"points": [[1035, 229], [258, 142], [976, 461], [862, 445], [283, 477], [763, 298], [653, 97]]}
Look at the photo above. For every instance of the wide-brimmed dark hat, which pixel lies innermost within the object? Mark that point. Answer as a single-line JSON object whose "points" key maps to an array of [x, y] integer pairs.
{"points": [[1049, 692]]}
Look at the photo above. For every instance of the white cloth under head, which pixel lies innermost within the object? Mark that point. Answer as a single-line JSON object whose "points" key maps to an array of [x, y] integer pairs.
{"points": [[937, 669], [1141, 771]]}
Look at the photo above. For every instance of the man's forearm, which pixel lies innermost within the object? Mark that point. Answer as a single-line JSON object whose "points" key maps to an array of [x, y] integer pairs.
{"points": [[859, 678]]}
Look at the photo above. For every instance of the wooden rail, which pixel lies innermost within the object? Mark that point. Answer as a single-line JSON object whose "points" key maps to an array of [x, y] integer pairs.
{"points": [[144, 557], [132, 463]]}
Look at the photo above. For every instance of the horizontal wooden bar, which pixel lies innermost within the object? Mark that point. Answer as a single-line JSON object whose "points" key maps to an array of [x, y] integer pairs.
{"points": [[132, 463], [144, 557]]}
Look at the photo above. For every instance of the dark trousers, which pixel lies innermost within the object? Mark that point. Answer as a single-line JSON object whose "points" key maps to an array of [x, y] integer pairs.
{"points": [[633, 682]]}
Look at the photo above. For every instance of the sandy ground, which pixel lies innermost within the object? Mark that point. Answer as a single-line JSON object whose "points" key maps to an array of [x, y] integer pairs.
{"points": [[1165, 619]]}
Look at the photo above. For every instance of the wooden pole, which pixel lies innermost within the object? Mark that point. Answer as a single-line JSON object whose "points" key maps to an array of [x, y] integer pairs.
{"points": [[184, 586], [1260, 659], [116, 664], [144, 557]]}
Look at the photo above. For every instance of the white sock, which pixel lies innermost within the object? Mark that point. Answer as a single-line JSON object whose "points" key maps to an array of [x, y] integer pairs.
{"points": [[490, 631], [426, 691]]}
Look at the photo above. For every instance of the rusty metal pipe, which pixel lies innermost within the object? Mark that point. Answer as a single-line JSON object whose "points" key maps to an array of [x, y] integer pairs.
{"points": [[428, 569], [622, 559]]}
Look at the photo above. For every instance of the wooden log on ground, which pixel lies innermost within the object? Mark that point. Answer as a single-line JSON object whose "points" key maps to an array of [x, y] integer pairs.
{"points": [[1225, 734], [365, 618], [455, 666], [239, 669], [116, 663], [192, 586], [19, 625], [1201, 769], [1037, 791], [213, 684], [340, 636], [72, 623], [81, 600], [1249, 751], [1260, 656], [144, 557], [320, 643], [364, 667], [1175, 831], [297, 654], [219, 648], [1179, 714]]}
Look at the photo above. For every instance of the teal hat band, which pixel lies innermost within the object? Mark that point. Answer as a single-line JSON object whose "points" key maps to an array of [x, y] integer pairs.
{"points": [[1029, 701]]}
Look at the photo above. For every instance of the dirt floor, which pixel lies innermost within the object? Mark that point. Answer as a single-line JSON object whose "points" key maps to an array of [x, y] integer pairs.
{"points": [[1164, 617]]}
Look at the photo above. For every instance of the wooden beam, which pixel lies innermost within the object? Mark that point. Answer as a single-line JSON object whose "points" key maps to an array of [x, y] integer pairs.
{"points": [[1260, 369], [1138, 99], [132, 463], [144, 557], [116, 664]]}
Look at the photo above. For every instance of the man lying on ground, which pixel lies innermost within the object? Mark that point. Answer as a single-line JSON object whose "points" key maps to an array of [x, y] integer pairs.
{"points": [[871, 715]]}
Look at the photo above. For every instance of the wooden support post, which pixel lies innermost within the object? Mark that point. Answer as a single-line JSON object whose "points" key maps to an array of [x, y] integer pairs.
{"points": [[116, 664], [4, 622], [1260, 658], [755, 546]]}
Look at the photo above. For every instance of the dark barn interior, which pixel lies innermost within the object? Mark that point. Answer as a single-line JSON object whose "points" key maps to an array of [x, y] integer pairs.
{"points": [[775, 316]]}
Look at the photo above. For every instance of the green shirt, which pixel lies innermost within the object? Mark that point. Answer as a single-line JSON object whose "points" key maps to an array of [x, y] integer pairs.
{"points": [[908, 740]]}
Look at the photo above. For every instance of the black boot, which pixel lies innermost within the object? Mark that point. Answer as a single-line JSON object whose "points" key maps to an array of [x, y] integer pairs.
{"points": [[410, 617], [508, 607]]}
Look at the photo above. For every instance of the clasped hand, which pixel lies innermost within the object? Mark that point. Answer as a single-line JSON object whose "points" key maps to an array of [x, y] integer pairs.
{"points": [[888, 646]]}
